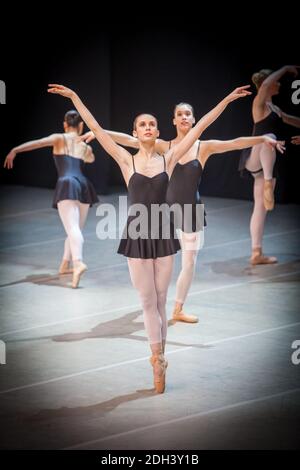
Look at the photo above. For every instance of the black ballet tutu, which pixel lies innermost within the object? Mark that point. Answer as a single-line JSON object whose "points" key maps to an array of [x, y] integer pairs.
{"points": [[71, 183]]}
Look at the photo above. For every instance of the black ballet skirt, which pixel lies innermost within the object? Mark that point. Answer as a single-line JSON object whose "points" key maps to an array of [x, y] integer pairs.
{"points": [[183, 189], [271, 124], [155, 238], [71, 183]]}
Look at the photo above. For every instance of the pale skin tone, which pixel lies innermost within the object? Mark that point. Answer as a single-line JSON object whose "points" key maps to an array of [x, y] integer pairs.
{"points": [[261, 108], [296, 140], [270, 87], [146, 133], [148, 161], [183, 121], [262, 104], [56, 141], [266, 90]]}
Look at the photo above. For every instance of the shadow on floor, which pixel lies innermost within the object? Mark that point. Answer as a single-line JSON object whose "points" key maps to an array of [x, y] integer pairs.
{"points": [[97, 410], [124, 327], [45, 279], [236, 268], [58, 428]]}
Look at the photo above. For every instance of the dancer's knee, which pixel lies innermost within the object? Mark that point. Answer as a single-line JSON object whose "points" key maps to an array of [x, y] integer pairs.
{"points": [[189, 263], [161, 298], [149, 302], [76, 235]]}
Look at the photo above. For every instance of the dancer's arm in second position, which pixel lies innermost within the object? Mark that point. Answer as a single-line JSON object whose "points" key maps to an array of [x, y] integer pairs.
{"points": [[54, 140], [210, 147], [120, 154]]}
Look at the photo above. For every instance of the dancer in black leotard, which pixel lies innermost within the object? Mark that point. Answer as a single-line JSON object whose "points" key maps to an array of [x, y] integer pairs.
{"points": [[183, 189], [146, 176], [148, 191], [261, 160], [74, 193], [72, 184], [270, 125]]}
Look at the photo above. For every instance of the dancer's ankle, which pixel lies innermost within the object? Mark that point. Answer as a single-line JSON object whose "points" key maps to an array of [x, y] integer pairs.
{"points": [[77, 263], [178, 307], [180, 315], [257, 257], [64, 267]]}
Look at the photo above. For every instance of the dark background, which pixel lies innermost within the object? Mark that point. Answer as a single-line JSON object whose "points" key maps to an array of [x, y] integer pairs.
{"points": [[141, 66]]}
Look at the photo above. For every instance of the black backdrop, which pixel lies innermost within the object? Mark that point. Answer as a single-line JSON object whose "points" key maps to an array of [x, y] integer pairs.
{"points": [[122, 71]]}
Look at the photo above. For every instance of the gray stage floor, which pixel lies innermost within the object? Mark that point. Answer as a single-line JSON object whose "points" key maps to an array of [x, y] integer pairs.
{"points": [[77, 374]]}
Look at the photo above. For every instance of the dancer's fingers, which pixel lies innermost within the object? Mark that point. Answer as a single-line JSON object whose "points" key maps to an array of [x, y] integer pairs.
{"points": [[296, 140], [280, 147], [55, 85]]}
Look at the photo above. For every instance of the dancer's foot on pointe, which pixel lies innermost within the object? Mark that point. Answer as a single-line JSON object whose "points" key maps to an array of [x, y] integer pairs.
{"points": [[159, 364], [79, 269]]}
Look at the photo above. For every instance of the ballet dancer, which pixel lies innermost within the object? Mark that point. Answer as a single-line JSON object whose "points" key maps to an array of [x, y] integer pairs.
{"points": [[261, 161], [74, 193], [146, 174], [183, 190]]}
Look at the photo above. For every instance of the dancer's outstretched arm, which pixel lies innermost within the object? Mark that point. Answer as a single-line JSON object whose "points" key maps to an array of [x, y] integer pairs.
{"points": [[119, 137], [291, 120], [178, 150], [52, 140], [162, 146], [287, 118], [49, 141], [210, 147], [263, 91], [117, 152], [126, 140]]}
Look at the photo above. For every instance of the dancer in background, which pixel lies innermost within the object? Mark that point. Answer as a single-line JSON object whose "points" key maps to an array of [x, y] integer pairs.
{"points": [[147, 174], [261, 161], [183, 190], [74, 193]]}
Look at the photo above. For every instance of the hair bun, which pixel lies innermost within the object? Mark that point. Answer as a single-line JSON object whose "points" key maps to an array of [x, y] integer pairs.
{"points": [[258, 77]]}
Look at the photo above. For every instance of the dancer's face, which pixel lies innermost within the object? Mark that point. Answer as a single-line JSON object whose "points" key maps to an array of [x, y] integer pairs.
{"points": [[146, 128], [184, 118]]}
